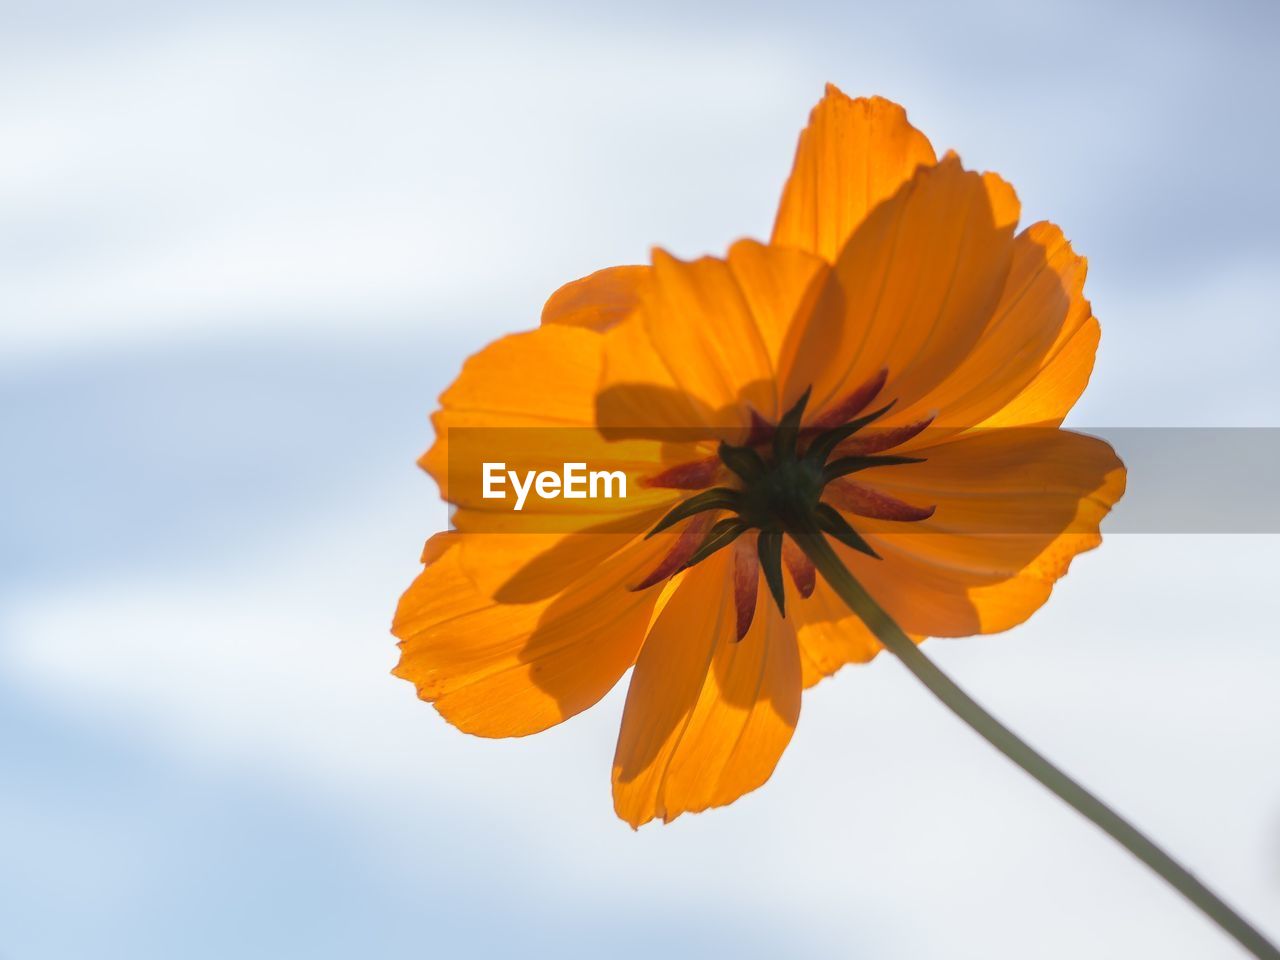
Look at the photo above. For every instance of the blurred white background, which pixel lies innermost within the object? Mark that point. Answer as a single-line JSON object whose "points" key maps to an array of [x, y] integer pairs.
{"points": [[243, 246]]}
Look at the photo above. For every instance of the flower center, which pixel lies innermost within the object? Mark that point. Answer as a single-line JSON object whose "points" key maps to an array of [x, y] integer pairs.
{"points": [[783, 496], [783, 472]]}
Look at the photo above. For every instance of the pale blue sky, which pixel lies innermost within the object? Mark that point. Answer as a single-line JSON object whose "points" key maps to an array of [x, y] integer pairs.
{"points": [[242, 249]]}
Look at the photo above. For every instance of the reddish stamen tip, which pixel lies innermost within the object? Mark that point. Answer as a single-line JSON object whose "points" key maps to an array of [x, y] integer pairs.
{"points": [[803, 573], [845, 494], [694, 475], [681, 551], [868, 443], [853, 404], [746, 581]]}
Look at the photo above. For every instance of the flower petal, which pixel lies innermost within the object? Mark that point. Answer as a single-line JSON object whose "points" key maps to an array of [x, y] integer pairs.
{"points": [[558, 364], [523, 565], [707, 716], [853, 155], [701, 325], [702, 349], [1042, 321], [488, 416], [918, 282], [778, 286], [829, 634], [1056, 386], [597, 301], [506, 670], [1013, 507]]}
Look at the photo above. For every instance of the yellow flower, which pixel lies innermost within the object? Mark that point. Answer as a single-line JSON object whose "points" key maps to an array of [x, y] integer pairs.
{"points": [[926, 348]]}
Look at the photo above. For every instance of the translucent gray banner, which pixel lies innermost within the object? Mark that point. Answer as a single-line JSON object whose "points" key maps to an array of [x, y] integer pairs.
{"points": [[1179, 479]]}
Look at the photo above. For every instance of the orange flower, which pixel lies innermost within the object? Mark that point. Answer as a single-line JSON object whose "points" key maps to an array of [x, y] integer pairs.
{"points": [[926, 352]]}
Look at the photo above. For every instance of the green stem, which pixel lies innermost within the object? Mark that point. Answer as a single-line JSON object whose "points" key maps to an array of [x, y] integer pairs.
{"points": [[824, 557]]}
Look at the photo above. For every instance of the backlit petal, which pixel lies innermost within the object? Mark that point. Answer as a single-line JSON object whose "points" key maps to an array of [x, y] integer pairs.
{"points": [[597, 301], [560, 365], [490, 415], [778, 286], [829, 634], [702, 349], [1013, 507], [1035, 334], [919, 280], [510, 669], [1056, 386], [707, 716], [852, 155]]}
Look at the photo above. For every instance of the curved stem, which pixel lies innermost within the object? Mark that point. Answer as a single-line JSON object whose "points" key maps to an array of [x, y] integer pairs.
{"points": [[820, 551]]}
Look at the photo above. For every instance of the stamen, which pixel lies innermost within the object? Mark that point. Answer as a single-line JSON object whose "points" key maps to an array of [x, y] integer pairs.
{"points": [[746, 582], [851, 405], [845, 494], [883, 439], [803, 573], [680, 552], [694, 475]]}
